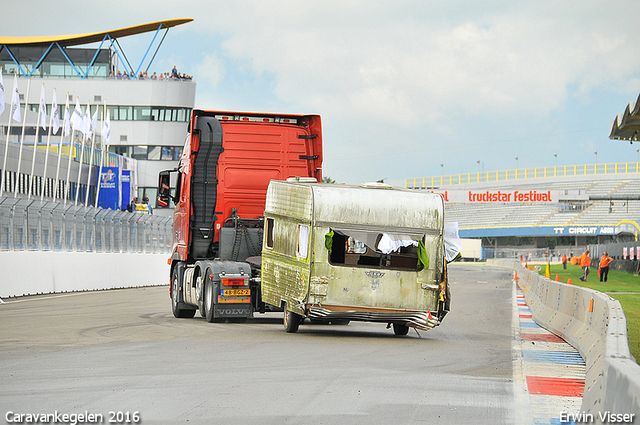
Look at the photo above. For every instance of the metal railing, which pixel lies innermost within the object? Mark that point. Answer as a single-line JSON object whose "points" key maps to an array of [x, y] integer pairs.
{"points": [[30, 225], [523, 173]]}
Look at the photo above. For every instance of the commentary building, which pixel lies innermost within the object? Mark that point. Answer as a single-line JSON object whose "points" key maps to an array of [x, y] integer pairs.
{"points": [[148, 114]]}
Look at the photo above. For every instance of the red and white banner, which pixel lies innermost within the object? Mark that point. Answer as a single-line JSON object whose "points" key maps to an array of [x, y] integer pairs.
{"points": [[498, 196]]}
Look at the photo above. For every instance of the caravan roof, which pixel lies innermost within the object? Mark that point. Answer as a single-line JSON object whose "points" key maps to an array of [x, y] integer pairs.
{"points": [[357, 206]]}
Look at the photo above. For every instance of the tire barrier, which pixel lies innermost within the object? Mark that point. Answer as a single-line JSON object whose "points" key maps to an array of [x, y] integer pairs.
{"points": [[595, 325]]}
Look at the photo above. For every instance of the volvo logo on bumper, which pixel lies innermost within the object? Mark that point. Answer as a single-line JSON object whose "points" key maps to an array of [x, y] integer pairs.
{"points": [[227, 311]]}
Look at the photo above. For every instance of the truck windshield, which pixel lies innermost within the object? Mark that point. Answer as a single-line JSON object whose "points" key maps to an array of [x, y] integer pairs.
{"points": [[376, 249]]}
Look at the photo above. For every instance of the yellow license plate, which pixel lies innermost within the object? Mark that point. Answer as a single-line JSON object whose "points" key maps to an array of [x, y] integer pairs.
{"points": [[236, 292]]}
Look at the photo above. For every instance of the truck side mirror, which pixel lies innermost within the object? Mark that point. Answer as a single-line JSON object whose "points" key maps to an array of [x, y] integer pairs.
{"points": [[164, 189]]}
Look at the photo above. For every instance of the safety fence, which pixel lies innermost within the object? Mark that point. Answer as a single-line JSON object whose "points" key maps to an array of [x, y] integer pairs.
{"points": [[523, 173], [595, 324], [33, 225]]}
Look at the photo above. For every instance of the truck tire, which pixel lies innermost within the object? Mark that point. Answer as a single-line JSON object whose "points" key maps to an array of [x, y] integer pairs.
{"points": [[179, 307], [291, 320], [399, 329], [208, 298]]}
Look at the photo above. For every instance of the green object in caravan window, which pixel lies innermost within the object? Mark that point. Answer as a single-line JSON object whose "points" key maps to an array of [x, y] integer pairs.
{"points": [[328, 240], [422, 254]]}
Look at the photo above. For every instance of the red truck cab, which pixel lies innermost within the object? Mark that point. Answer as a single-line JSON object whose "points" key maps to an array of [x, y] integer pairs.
{"points": [[227, 162]]}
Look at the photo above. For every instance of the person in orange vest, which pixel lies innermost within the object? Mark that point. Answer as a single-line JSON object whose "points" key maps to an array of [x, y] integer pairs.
{"points": [[605, 260], [585, 262], [564, 261]]}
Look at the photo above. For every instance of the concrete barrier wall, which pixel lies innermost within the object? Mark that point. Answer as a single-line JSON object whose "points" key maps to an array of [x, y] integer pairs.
{"points": [[595, 325], [41, 272]]}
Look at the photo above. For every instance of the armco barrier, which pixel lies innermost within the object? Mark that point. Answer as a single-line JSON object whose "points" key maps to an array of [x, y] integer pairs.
{"points": [[595, 325]]}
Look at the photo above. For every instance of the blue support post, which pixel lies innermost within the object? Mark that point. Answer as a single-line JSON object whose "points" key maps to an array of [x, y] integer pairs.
{"points": [[95, 56], [40, 61], [69, 60], [149, 48], [15, 61]]}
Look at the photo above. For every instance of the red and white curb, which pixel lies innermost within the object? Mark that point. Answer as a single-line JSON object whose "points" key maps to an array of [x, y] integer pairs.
{"points": [[548, 372]]}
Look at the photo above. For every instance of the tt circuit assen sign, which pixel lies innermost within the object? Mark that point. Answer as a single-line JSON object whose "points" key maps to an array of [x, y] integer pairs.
{"points": [[584, 230], [541, 231]]}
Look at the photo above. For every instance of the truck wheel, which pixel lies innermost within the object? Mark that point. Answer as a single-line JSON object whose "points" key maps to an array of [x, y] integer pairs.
{"points": [[178, 307], [399, 329], [207, 300], [291, 320]]}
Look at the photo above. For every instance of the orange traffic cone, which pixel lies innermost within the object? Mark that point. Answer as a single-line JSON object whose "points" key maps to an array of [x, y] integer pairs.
{"points": [[557, 278], [569, 282], [515, 277], [531, 268]]}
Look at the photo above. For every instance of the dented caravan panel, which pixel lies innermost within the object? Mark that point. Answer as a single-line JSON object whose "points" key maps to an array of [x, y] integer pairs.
{"points": [[325, 285]]}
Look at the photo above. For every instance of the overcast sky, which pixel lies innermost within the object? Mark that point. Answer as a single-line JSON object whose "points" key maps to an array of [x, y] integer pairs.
{"points": [[405, 88]]}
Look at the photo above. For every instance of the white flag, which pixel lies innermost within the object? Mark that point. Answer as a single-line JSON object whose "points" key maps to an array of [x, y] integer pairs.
{"points": [[54, 113], [1, 93], [76, 119], [93, 124], [43, 109], [106, 130], [86, 121], [67, 118], [15, 100]]}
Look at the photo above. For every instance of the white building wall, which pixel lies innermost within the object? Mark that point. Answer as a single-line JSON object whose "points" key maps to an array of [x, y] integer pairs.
{"points": [[167, 93]]}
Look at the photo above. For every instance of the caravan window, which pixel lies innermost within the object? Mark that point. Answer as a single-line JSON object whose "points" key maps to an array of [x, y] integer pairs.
{"points": [[303, 241], [374, 249], [269, 230]]}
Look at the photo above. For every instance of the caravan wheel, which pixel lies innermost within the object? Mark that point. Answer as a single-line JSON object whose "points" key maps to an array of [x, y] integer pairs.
{"points": [[399, 329], [291, 320]]}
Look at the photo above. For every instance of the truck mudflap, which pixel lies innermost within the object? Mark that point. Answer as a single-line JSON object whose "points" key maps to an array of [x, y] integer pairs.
{"points": [[414, 319], [231, 311]]}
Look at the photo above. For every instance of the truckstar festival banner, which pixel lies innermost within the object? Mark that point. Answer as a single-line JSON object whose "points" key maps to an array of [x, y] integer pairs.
{"points": [[498, 196]]}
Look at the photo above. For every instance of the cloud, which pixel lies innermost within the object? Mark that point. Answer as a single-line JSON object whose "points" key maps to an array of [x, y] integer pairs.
{"points": [[403, 86], [210, 71], [366, 63]]}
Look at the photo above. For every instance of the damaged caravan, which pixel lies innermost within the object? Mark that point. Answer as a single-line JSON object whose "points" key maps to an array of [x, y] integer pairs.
{"points": [[336, 253]]}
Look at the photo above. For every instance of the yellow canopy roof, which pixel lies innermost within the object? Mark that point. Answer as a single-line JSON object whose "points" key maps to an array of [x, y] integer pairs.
{"points": [[626, 125], [79, 39]]}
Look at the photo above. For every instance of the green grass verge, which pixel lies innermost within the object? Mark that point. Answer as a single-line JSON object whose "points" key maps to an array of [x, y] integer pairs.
{"points": [[617, 281]]}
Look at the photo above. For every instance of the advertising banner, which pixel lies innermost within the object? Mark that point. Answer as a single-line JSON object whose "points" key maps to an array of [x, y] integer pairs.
{"points": [[498, 196], [108, 181], [540, 231], [125, 189]]}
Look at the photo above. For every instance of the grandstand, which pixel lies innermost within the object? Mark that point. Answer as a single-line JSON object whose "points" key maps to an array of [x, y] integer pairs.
{"points": [[588, 203]]}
